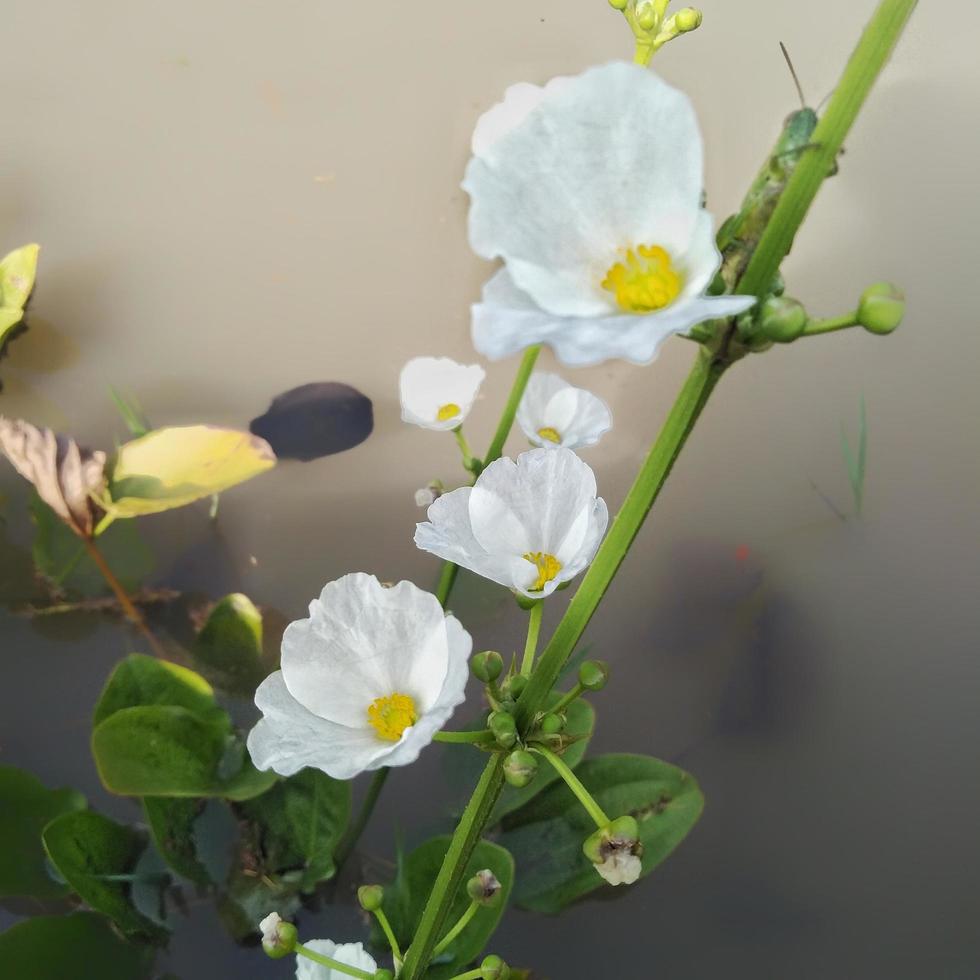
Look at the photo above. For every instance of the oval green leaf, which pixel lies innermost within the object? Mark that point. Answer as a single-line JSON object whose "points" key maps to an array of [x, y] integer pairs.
{"points": [[228, 650]]}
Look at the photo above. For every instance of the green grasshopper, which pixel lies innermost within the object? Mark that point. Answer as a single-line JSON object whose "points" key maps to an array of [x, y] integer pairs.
{"points": [[740, 234]]}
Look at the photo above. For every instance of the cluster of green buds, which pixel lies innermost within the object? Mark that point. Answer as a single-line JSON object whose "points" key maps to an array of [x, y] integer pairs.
{"points": [[781, 319], [651, 25]]}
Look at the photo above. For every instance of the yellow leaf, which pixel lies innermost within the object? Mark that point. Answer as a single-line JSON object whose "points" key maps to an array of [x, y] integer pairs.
{"points": [[169, 468], [17, 271]]}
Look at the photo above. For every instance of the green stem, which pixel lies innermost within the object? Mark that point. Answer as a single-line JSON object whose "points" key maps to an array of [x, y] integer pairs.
{"points": [[575, 785], [470, 975], [351, 971], [513, 400], [464, 921], [389, 934], [623, 530], [463, 738], [354, 831], [567, 699], [447, 579], [869, 58], [816, 327], [533, 631], [450, 876], [464, 448]]}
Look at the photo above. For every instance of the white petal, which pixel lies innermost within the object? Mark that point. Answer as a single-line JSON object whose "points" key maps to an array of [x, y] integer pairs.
{"points": [[507, 321], [426, 384], [269, 927], [620, 869], [610, 160], [350, 954], [701, 259], [364, 641], [579, 417], [289, 738], [506, 115]]}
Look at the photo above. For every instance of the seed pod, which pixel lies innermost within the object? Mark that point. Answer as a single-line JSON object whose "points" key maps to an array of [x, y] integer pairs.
{"points": [[520, 768]]}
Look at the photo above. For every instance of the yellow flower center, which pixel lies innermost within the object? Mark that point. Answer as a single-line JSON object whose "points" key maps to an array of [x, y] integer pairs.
{"points": [[548, 567], [448, 411], [391, 715], [552, 435], [645, 281]]}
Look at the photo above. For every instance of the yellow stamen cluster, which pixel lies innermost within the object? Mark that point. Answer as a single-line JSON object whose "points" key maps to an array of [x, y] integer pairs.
{"points": [[552, 435], [548, 567], [390, 716], [448, 411], [645, 282]]}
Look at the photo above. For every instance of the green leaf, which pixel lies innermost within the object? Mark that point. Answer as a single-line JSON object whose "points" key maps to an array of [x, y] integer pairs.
{"points": [[546, 836], [26, 807], [139, 681], [82, 946], [228, 650], [97, 857], [62, 559], [172, 822], [17, 272], [172, 467], [164, 750], [294, 828], [464, 766], [405, 900]]}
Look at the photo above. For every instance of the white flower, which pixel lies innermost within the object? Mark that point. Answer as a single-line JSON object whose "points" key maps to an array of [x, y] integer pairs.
{"points": [[621, 867], [437, 393], [269, 927], [529, 525], [350, 954], [590, 190], [365, 682], [554, 413]]}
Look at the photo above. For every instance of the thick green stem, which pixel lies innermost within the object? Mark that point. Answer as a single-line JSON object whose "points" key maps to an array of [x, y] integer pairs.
{"points": [[533, 631], [453, 868], [869, 58], [354, 831], [447, 578]]}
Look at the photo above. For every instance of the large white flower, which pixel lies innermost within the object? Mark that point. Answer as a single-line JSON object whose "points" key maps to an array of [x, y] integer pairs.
{"points": [[350, 954], [529, 525], [554, 413], [366, 681], [590, 190], [437, 393]]}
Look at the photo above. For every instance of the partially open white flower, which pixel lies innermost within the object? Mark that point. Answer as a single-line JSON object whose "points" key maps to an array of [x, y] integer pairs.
{"points": [[437, 393], [554, 413], [621, 867], [269, 927], [366, 681], [350, 954], [590, 190], [529, 525]]}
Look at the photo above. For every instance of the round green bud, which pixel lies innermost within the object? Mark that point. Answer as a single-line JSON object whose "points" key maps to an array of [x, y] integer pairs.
{"points": [[371, 897], [594, 844], [782, 319], [483, 887], [619, 4], [514, 686], [487, 666], [552, 724], [593, 675], [882, 308], [384, 974], [688, 19], [624, 828], [504, 728], [520, 768], [494, 968], [285, 941], [525, 602], [647, 17]]}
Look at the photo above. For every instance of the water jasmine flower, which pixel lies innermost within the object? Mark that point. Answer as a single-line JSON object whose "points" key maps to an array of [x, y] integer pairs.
{"points": [[554, 413], [366, 681], [529, 525], [590, 190], [437, 393]]}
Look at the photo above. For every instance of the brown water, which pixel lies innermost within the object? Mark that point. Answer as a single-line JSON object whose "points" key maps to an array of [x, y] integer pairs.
{"points": [[237, 198]]}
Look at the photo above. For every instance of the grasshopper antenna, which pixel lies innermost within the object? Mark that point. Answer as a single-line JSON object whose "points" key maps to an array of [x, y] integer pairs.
{"points": [[792, 71]]}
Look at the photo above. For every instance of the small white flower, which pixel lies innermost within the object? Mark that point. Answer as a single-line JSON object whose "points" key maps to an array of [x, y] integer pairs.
{"points": [[350, 954], [590, 190], [554, 413], [437, 393], [529, 525], [621, 867], [366, 681], [269, 927], [424, 497]]}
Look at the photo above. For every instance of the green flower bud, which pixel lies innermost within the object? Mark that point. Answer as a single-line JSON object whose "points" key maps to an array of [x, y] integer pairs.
{"points": [[494, 968], [520, 768], [782, 319], [647, 17], [384, 974], [882, 308], [371, 897], [483, 887], [625, 828], [595, 845], [687, 19], [593, 675], [504, 728], [514, 686], [552, 724], [619, 4], [278, 938], [524, 602], [487, 666]]}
